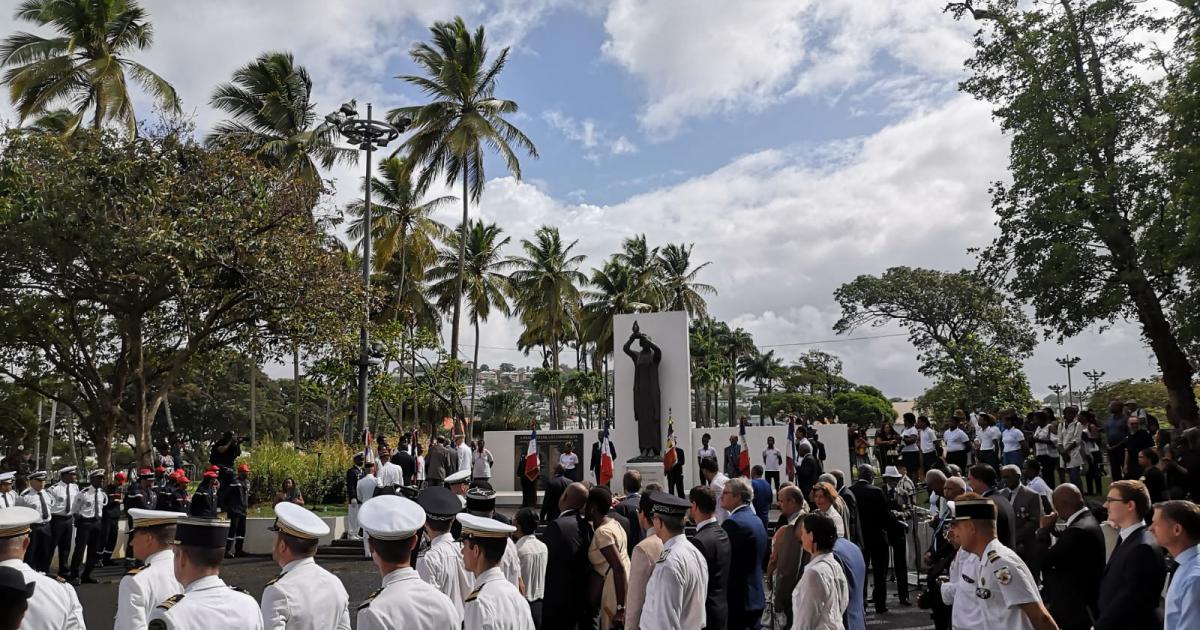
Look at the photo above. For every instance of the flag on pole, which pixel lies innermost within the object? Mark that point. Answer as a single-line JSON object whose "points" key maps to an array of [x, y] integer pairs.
{"points": [[670, 458], [532, 465], [606, 462], [791, 452], [744, 456], [368, 452]]}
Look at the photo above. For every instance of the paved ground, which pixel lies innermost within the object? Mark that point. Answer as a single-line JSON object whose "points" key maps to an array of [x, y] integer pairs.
{"points": [[360, 578]]}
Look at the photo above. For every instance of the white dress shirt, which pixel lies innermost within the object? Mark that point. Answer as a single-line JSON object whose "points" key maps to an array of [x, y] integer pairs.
{"points": [[568, 461], [822, 595], [209, 603], [144, 588], [677, 588], [89, 502], [8, 499], [956, 440], [54, 605], [404, 601], [1002, 573], [64, 497], [927, 438], [305, 597], [391, 475], [496, 604], [772, 459], [442, 568], [959, 592], [988, 438], [482, 465], [366, 487], [1070, 439], [1012, 439], [38, 501], [464, 457], [510, 564], [533, 555]]}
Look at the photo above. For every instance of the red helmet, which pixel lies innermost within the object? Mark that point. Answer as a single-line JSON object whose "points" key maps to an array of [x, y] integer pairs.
{"points": [[160, 470], [210, 474], [243, 468], [214, 468], [119, 477]]}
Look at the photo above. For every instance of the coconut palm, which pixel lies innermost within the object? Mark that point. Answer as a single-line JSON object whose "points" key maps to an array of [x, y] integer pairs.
{"points": [[734, 344], [85, 67], [464, 117], [763, 369], [482, 279], [270, 101], [546, 284], [613, 290], [642, 261], [678, 278]]}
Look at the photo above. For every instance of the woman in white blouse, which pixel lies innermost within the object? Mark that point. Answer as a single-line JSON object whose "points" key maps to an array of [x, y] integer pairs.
{"points": [[827, 500], [1014, 443], [822, 595]]}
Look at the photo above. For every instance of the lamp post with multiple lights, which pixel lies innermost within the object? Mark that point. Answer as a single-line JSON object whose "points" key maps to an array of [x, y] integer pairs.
{"points": [[368, 134], [1068, 362], [1058, 390], [1095, 376]]}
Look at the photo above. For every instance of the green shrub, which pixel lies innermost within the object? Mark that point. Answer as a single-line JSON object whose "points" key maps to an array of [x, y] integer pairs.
{"points": [[321, 478]]}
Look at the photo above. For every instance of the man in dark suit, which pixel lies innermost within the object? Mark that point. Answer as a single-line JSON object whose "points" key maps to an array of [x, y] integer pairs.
{"points": [[787, 554], [733, 458], [748, 548], [1027, 513], [873, 509], [854, 528], [1133, 579], [1072, 560], [595, 461], [807, 471], [713, 543], [554, 491], [406, 462], [982, 479], [567, 538], [628, 508]]}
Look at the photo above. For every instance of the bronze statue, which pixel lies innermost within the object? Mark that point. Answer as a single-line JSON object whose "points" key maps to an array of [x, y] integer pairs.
{"points": [[647, 398]]}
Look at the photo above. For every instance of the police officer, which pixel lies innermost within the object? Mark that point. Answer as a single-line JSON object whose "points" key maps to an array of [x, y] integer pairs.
{"points": [[237, 504], [110, 516], [8, 497], [404, 600], [151, 535], [303, 595], [204, 500], [1004, 587], [86, 508], [678, 585], [442, 563], [61, 526], [495, 603], [36, 498], [206, 601], [458, 483], [53, 604], [482, 502]]}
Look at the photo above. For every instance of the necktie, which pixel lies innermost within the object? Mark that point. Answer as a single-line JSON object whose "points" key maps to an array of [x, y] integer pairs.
{"points": [[68, 508], [45, 510], [95, 502], [5, 500]]}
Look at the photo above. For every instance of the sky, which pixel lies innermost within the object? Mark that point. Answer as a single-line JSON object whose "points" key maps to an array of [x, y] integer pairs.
{"points": [[796, 143]]}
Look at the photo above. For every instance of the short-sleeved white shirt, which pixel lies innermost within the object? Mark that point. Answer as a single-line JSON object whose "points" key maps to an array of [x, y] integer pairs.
{"points": [[927, 437], [910, 448], [1004, 584], [568, 461], [956, 440], [1012, 439], [772, 459], [988, 438]]}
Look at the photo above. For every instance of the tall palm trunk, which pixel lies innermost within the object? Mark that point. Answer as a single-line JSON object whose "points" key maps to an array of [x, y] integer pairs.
{"points": [[733, 392], [474, 368], [253, 402], [462, 264]]}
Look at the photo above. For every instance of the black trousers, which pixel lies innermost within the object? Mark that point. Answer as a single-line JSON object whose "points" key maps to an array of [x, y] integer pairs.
{"points": [[61, 529], [897, 541], [877, 562], [772, 477], [1049, 469], [675, 484], [237, 533], [912, 461], [528, 492], [108, 535], [40, 550], [87, 536], [744, 619], [1116, 463], [958, 458], [1093, 473], [990, 458], [535, 610]]}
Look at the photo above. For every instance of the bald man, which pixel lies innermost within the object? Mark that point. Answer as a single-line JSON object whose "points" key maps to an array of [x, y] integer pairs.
{"points": [[567, 538], [1071, 546]]}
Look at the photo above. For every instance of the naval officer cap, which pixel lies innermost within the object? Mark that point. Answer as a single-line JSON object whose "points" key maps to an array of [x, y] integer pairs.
{"points": [[143, 519], [474, 526], [7, 477], [99, 472], [973, 510], [462, 476], [391, 517], [67, 470], [15, 521], [298, 521], [440, 504], [208, 533], [481, 500], [38, 476], [669, 504]]}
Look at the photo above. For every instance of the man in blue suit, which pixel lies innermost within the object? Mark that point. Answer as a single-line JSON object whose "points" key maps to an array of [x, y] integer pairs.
{"points": [[855, 565], [748, 547]]}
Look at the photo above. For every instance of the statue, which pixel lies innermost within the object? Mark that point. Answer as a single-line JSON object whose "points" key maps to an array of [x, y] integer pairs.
{"points": [[647, 398]]}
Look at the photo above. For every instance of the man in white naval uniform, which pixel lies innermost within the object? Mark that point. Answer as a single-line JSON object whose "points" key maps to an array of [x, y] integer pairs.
{"points": [[403, 600], [442, 563], [495, 604], [304, 596], [366, 490], [464, 454], [679, 584], [54, 605], [38, 499], [206, 601], [62, 527], [8, 496], [154, 582]]}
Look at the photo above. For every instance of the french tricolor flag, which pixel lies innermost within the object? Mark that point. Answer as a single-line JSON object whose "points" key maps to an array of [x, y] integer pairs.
{"points": [[532, 465], [744, 456], [791, 452], [606, 461]]}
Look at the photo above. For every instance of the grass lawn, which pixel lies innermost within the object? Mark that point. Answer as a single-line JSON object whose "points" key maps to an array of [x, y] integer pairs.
{"points": [[268, 510]]}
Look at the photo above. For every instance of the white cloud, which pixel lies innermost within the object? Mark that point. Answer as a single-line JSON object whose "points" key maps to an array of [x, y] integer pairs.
{"points": [[588, 135]]}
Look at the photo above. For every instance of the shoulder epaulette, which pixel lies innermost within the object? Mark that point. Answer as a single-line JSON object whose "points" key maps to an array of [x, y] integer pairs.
{"points": [[134, 571], [277, 578], [993, 556], [367, 601], [171, 601], [238, 589], [472, 597]]}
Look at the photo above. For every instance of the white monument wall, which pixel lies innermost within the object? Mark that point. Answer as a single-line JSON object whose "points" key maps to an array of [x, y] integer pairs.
{"points": [[833, 436]]}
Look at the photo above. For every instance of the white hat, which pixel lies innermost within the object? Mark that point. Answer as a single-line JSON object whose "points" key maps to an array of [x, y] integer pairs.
{"points": [[66, 470], [15, 521], [7, 477], [891, 471], [152, 518], [391, 517], [461, 476], [38, 476], [99, 472], [483, 527], [298, 521]]}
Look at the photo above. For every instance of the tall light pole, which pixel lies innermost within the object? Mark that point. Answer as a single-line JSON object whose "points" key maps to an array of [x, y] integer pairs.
{"points": [[1058, 390], [1068, 362], [1095, 376], [368, 134]]}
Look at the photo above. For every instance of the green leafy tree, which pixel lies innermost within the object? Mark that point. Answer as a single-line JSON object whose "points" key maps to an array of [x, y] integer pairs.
{"points": [[463, 118], [403, 225], [86, 65], [505, 410], [862, 408], [678, 278], [1150, 393], [811, 407], [958, 323], [1089, 228], [818, 372], [735, 344], [763, 369], [117, 283]]}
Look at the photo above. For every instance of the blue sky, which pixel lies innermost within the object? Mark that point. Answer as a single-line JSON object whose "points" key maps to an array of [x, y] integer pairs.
{"points": [[796, 143]]}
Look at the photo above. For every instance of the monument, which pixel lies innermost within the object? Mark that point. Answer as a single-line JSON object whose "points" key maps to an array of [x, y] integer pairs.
{"points": [[647, 396]]}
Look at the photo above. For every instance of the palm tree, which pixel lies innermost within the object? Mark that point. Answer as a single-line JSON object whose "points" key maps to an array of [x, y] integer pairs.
{"points": [[735, 344], [482, 279], [642, 261], [613, 290], [86, 65], [763, 369], [464, 116], [683, 293], [546, 285], [269, 100]]}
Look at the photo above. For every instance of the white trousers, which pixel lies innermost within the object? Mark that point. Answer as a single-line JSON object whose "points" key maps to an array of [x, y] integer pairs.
{"points": [[352, 520]]}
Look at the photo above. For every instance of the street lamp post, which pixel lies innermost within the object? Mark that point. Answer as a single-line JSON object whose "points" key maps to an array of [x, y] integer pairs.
{"points": [[1068, 362], [368, 134], [1058, 390], [1095, 376]]}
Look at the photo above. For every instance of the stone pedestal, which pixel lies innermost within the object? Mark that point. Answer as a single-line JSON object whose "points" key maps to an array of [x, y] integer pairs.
{"points": [[652, 472]]}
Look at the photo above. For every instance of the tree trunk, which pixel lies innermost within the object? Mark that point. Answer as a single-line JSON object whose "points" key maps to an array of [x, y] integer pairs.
{"points": [[474, 368], [71, 438], [296, 402], [50, 435], [733, 392], [253, 401], [462, 263]]}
